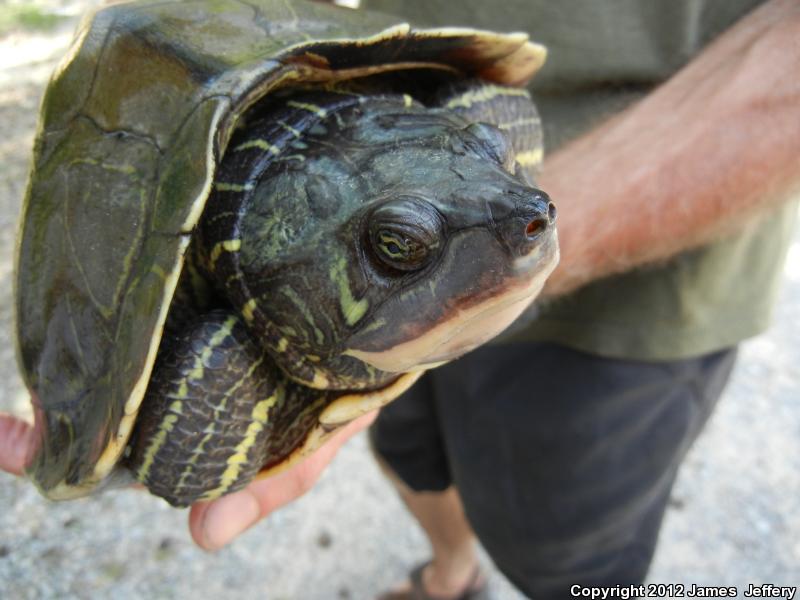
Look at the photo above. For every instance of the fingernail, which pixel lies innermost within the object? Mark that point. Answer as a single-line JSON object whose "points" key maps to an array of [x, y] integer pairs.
{"points": [[228, 517]]}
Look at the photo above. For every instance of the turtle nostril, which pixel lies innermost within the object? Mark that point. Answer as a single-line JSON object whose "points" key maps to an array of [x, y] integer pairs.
{"points": [[552, 213], [535, 227]]}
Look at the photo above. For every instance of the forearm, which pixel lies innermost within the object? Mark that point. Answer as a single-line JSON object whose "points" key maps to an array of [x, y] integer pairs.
{"points": [[709, 151]]}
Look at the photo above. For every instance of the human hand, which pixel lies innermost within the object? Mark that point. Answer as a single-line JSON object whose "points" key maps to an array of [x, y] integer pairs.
{"points": [[217, 523]]}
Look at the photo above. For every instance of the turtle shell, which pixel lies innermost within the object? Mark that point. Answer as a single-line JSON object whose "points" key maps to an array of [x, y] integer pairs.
{"points": [[132, 126]]}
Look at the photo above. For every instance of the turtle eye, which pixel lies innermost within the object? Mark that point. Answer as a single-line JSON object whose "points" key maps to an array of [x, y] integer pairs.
{"points": [[405, 233], [398, 249]]}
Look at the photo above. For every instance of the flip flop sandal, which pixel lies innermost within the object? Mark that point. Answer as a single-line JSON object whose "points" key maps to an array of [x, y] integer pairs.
{"points": [[472, 591]]}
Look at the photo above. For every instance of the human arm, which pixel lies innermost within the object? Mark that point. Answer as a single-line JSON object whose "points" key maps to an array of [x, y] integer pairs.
{"points": [[708, 152]]}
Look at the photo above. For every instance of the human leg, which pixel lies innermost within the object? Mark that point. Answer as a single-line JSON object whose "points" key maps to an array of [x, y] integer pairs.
{"points": [[438, 509], [564, 460]]}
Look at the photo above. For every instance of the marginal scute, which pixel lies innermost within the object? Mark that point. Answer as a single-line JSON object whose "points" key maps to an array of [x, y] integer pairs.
{"points": [[517, 68]]}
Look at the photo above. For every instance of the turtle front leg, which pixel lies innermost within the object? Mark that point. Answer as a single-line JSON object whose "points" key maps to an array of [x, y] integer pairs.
{"points": [[217, 411]]}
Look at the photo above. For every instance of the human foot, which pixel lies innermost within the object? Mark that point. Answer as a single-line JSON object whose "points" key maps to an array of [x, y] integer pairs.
{"points": [[426, 583]]}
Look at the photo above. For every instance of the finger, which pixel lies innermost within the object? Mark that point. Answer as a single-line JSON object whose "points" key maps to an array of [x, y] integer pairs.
{"points": [[16, 440], [215, 524]]}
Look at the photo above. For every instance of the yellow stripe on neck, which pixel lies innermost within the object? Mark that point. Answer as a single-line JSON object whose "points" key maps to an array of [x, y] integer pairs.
{"points": [[531, 157], [483, 94]]}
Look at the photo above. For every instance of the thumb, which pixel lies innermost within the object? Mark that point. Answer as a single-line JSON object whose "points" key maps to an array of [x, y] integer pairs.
{"points": [[16, 440]]}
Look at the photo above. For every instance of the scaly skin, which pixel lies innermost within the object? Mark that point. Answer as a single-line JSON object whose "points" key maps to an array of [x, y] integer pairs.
{"points": [[342, 229]]}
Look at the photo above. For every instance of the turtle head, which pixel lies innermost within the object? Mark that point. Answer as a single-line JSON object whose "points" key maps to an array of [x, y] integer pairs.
{"points": [[457, 245], [402, 240]]}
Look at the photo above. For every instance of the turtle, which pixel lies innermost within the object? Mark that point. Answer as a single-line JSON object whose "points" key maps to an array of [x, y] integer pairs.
{"points": [[250, 221]]}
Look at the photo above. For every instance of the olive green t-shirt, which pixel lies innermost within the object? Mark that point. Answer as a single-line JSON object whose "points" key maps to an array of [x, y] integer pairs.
{"points": [[603, 55]]}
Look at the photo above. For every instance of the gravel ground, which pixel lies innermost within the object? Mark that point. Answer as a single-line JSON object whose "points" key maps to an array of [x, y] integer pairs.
{"points": [[734, 517]]}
